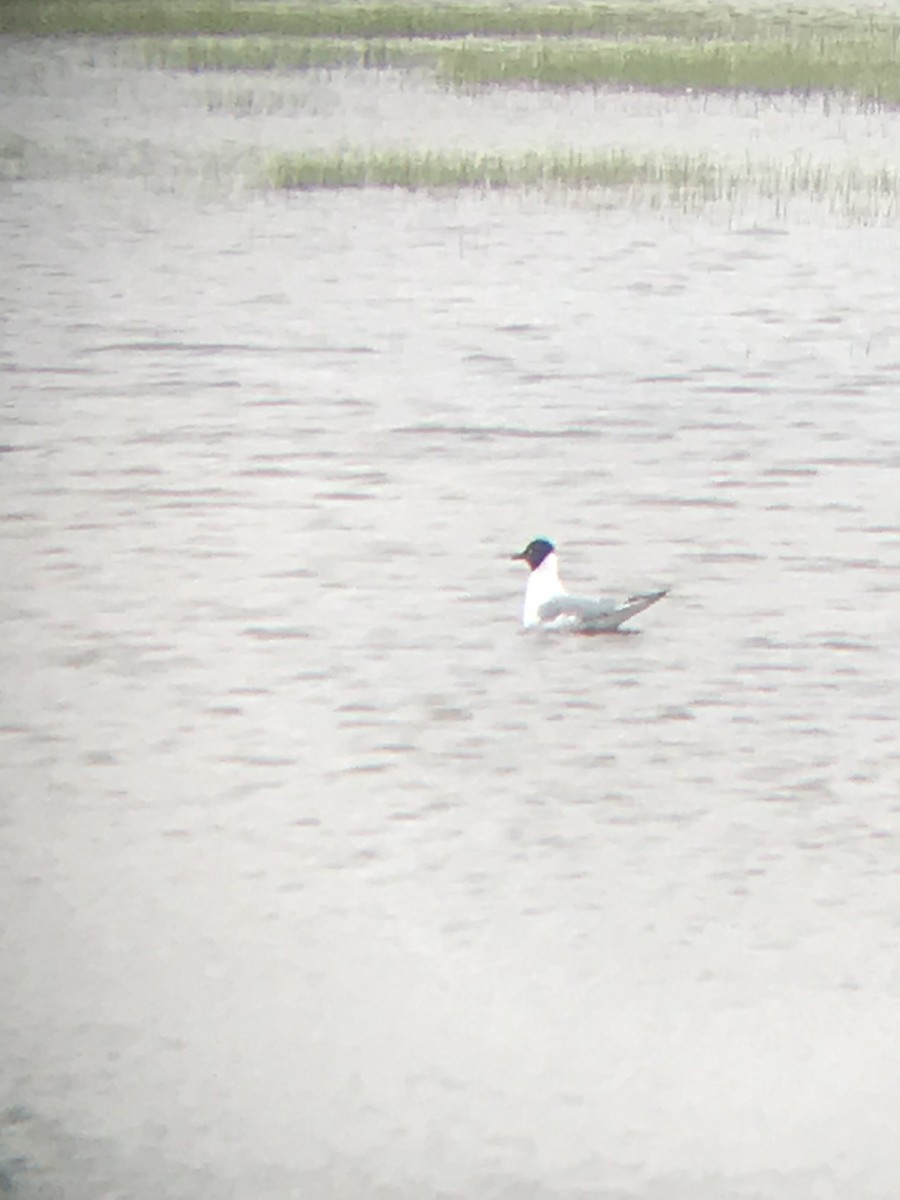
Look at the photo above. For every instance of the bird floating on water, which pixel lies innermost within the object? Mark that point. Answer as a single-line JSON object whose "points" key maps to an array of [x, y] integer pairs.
{"points": [[549, 606]]}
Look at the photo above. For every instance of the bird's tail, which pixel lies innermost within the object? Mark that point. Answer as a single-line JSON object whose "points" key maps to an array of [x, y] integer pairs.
{"points": [[634, 605]]}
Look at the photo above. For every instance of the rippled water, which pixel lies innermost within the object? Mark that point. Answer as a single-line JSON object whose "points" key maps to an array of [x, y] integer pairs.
{"points": [[320, 877]]}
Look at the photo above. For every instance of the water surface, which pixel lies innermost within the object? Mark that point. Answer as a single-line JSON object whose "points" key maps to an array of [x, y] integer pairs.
{"points": [[323, 879]]}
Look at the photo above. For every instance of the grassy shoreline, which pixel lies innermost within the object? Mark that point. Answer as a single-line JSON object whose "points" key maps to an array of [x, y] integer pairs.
{"points": [[625, 18], [867, 70], [632, 43]]}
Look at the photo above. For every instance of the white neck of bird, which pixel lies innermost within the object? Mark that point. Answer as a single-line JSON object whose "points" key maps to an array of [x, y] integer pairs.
{"points": [[543, 585]]}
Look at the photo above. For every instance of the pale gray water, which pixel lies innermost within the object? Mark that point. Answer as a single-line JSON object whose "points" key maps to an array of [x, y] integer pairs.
{"points": [[319, 877]]}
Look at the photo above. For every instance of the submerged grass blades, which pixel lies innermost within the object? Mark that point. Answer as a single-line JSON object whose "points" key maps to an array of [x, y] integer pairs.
{"points": [[273, 54]]}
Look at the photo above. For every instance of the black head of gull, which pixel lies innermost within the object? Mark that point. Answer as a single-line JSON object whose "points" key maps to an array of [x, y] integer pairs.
{"points": [[535, 552]]}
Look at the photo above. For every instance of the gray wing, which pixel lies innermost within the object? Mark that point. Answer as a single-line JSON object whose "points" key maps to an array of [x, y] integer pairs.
{"points": [[587, 613], [581, 608]]}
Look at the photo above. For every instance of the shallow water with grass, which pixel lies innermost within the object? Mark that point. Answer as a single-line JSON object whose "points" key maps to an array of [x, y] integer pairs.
{"points": [[322, 879], [861, 62]]}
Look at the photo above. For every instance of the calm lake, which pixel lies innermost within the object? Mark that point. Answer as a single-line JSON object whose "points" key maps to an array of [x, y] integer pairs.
{"points": [[320, 877]]}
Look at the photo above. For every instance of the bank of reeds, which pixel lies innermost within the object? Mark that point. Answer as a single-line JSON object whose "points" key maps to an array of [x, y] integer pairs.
{"points": [[867, 68], [688, 179], [632, 43], [426, 170], [624, 18]]}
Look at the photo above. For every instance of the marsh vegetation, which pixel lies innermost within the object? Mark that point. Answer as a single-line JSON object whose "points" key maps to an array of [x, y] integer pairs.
{"points": [[674, 180], [852, 56], [628, 18], [867, 68]]}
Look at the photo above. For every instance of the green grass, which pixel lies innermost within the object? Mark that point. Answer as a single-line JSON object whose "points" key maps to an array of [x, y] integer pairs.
{"points": [[648, 44], [682, 179], [626, 18], [868, 68], [417, 171]]}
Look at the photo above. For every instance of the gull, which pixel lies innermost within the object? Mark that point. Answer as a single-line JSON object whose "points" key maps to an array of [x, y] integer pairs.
{"points": [[549, 606]]}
